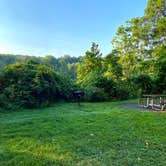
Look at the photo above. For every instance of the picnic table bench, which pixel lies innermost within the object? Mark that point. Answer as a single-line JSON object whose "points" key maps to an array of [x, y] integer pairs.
{"points": [[155, 102]]}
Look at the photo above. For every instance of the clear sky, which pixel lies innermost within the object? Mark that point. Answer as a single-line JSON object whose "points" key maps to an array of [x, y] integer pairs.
{"points": [[58, 27]]}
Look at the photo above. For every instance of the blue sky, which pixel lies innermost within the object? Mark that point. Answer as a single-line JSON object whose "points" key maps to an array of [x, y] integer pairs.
{"points": [[58, 27]]}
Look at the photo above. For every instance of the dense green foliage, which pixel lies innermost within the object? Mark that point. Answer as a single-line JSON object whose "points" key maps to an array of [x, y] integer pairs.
{"points": [[29, 84], [141, 44], [65, 65], [135, 66], [91, 63], [100, 134]]}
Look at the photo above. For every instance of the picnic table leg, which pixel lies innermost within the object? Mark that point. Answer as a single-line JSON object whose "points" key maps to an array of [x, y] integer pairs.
{"points": [[152, 100], [147, 102], [162, 107]]}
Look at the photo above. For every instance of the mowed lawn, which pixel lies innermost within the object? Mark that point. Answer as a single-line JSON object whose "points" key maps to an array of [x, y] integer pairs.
{"points": [[97, 134]]}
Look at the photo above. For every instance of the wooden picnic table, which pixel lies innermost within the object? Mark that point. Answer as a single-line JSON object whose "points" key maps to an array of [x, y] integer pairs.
{"points": [[154, 101]]}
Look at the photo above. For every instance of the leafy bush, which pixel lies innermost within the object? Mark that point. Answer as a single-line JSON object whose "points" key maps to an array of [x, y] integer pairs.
{"points": [[108, 86], [143, 84], [29, 84], [122, 93], [94, 94], [160, 68], [98, 88]]}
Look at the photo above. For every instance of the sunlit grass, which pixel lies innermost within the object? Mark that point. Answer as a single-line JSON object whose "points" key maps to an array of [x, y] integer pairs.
{"points": [[95, 134]]}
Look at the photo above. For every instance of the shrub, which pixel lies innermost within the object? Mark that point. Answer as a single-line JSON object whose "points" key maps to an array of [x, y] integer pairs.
{"points": [[29, 84], [122, 93], [107, 85], [143, 84], [98, 88], [94, 94]]}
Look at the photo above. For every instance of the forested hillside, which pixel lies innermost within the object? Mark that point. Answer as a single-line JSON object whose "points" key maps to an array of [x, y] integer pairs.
{"points": [[65, 65]]}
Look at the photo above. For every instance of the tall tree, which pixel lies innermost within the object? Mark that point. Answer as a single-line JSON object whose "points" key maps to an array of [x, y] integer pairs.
{"points": [[138, 41], [91, 63], [112, 67]]}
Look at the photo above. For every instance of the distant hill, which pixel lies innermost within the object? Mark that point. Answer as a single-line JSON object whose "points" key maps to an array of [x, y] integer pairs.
{"points": [[66, 65]]}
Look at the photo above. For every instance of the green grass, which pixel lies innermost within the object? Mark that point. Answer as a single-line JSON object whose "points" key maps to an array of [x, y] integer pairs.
{"points": [[98, 134]]}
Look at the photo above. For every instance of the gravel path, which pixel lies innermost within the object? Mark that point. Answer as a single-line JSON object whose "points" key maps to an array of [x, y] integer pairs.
{"points": [[135, 106]]}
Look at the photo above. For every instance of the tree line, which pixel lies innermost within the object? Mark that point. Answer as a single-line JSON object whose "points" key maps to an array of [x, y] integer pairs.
{"points": [[65, 65]]}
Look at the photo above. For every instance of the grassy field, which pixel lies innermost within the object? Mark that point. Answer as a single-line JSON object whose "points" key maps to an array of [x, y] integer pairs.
{"points": [[97, 134]]}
